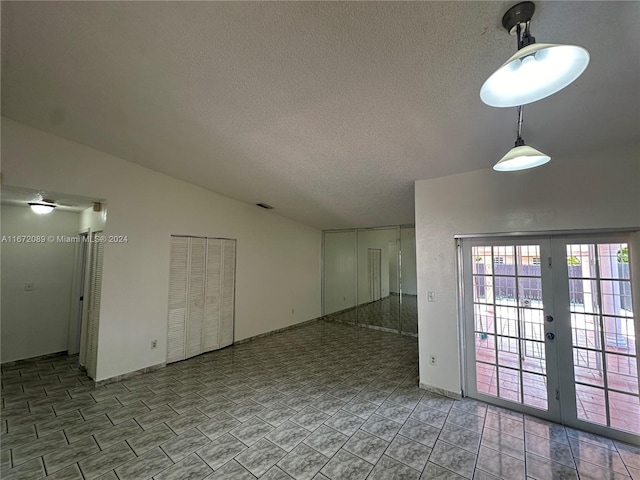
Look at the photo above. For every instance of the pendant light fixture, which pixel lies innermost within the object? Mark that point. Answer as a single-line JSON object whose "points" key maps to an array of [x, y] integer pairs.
{"points": [[521, 156], [536, 70]]}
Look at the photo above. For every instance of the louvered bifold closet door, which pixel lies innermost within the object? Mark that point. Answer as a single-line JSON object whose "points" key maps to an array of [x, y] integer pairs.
{"points": [[211, 325], [195, 315], [178, 286], [228, 292], [97, 254]]}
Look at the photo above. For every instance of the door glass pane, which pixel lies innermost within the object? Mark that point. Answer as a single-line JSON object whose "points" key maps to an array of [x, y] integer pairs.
{"points": [[535, 390], [486, 379], [622, 373], [507, 297], [483, 318], [587, 366], [533, 359], [482, 289], [625, 411], [591, 404], [603, 335], [509, 384]]}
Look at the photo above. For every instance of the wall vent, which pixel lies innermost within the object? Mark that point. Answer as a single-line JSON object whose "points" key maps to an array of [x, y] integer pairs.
{"points": [[264, 205]]}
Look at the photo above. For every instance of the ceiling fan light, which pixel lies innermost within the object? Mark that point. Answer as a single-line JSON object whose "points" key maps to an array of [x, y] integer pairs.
{"points": [[533, 73], [41, 208], [521, 158]]}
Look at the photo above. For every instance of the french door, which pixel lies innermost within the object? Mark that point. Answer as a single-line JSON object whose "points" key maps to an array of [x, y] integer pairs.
{"points": [[550, 329]]}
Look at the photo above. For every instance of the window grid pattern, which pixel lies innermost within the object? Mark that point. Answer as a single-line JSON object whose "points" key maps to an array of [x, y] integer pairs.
{"points": [[603, 335], [509, 323]]}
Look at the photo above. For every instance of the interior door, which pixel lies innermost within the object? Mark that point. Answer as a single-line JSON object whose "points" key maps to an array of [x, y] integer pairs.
{"points": [[510, 351], [598, 341], [227, 310], [196, 297], [375, 277], [95, 293]]}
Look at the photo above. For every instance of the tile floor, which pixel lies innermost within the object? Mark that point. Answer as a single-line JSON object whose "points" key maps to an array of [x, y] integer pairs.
{"points": [[324, 401], [387, 313]]}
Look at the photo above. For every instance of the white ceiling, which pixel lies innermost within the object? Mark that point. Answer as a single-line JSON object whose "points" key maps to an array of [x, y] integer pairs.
{"points": [[327, 111]]}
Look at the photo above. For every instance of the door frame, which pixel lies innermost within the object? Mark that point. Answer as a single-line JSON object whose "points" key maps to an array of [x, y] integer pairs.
{"points": [[553, 412], [561, 287], [374, 258], [631, 236], [78, 289]]}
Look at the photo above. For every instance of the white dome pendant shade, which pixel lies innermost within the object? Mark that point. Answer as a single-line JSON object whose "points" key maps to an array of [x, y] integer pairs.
{"points": [[521, 156], [535, 71]]}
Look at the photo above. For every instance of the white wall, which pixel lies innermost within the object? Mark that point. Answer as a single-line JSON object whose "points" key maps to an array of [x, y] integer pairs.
{"points": [[278, 260], [599, 190], [36, 322], [94, 221], [339, 271]]}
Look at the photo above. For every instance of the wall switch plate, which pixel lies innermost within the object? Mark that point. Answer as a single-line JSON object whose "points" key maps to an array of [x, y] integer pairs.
{"points": [[28, 287], [433, 360], [154, 344], [431, 296]]}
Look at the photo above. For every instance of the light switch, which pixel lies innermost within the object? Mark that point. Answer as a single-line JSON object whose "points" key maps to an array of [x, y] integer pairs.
{"points": [[431, 296]]}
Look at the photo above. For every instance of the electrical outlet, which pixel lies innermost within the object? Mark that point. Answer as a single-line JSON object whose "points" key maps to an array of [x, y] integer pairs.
{"points": [[154, 344], [433, 360], [28, 287], [431, 296]]}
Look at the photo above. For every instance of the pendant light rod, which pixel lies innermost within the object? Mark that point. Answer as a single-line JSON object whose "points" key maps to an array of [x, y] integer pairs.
{"points": [[519, 140], [524, 37]]}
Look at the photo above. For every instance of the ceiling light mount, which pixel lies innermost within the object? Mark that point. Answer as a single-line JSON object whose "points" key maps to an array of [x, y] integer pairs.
{"points": [[518, 15]]}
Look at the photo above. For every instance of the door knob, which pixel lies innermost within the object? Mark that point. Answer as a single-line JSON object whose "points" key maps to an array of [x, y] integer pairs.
{"points": [[549, 318], [550, 336]]}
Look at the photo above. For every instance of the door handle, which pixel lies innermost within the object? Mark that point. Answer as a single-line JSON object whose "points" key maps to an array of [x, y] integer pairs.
{"points": [[549, 318], [550, 336]]}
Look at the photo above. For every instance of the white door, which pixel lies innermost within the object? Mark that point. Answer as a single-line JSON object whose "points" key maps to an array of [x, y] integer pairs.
{"points": [[373, 269], [195, 311], [95, 289], [201, 296], [178, 287], [228, 295], [550, 330], [599, 335], [510, 359], [78, 301], [213, 288]]}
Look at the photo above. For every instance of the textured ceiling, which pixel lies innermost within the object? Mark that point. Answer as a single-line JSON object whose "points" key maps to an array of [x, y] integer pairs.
{"points": [[327, 111]]}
